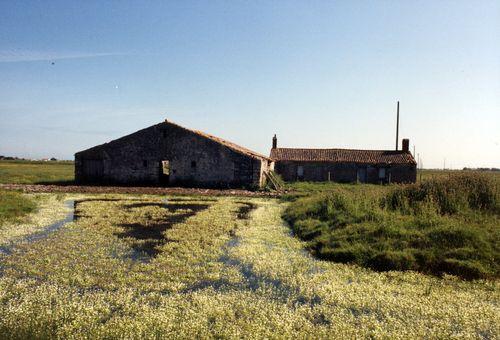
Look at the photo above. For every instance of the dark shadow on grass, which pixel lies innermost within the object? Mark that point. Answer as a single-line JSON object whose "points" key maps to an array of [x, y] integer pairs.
{"points": [[244, 211], [148, 237]]}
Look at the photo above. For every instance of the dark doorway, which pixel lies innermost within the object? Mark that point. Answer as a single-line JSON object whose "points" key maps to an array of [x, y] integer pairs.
{"points": [[165, 172], [300, 173], [362, 175]]}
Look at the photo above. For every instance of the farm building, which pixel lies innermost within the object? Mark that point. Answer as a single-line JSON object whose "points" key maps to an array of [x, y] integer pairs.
{"points": [[345, 165], [169, 154]]}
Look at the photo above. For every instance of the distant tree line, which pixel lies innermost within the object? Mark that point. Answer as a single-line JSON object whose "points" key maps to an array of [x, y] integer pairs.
{"points": [[11, 158]]}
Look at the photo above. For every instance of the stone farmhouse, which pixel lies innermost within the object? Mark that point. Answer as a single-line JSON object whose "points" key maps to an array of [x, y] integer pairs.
{"points": [[168, 154], [172, 155], [345, 165]]}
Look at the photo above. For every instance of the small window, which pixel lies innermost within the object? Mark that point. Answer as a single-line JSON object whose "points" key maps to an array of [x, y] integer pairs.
{"points": [[164, 133], [193, 164], [145, 163], [381, 173]]}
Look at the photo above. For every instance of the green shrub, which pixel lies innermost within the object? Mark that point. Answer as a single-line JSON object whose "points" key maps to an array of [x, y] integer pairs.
{"points": [[310, 228], [448, 196], [393, 260], [451, 237], [333, 208], [441, 226], [463, 268], [354, 253], [464, 253]]}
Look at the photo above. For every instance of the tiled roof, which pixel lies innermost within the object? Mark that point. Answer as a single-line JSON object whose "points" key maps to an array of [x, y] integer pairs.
{"points": [[343, 156], [230, 145], [218, 140]]}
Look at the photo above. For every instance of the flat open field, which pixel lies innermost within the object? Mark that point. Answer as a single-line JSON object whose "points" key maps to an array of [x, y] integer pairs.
{"points": [[427, 174], [146, 266], [28, 172]]}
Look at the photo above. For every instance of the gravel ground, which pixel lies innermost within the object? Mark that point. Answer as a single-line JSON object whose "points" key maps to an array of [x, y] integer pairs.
{"points": [[36, 188]]}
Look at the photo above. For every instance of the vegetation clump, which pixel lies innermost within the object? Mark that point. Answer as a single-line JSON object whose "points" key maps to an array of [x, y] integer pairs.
{"points": [[438, 226], [13, 205], [449, 196]]}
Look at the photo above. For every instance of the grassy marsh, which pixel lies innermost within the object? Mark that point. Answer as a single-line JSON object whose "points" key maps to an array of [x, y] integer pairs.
{"points": [[230, 269], [445, 225]]}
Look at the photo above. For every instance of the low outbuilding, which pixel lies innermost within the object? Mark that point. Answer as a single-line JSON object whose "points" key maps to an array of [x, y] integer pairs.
{"points": [[345, 165]]}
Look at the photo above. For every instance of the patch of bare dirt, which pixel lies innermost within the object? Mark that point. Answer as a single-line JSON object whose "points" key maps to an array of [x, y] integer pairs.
{"points": [[38, 188]]}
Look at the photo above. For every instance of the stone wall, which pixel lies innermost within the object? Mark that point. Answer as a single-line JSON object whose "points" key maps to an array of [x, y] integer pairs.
{"points": [[345, 172], [194, 160]]}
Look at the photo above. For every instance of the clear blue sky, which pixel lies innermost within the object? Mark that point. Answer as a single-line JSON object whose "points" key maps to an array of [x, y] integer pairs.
{"points": [[316, 73]]}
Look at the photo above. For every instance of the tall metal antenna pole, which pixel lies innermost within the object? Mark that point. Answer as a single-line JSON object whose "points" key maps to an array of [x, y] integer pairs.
{"points": [[419, 172], [397, 128]]}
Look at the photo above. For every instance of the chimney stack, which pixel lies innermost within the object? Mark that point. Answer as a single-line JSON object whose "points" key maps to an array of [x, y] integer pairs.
{"points": [[275, 142], [406, 145]]}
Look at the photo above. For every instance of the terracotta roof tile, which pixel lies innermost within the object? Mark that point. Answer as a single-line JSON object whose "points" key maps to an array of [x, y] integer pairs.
{"points": [[231, 145], [343, 156], [218, 140]]}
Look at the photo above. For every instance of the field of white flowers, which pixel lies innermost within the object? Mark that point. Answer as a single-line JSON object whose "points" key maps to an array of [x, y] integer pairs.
{"points": [[140, 267]]}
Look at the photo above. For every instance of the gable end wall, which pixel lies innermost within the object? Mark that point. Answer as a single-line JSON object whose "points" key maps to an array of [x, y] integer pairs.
{"points": [[194, 160]]}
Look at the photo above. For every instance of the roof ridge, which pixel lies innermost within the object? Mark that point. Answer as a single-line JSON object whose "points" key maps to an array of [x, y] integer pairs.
{"points": [[231, 145], [340, 149], [343, 155]]}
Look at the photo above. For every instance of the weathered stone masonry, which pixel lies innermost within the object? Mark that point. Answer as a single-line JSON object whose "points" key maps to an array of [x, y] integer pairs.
{"points": [[168, 154], [345, 165]]}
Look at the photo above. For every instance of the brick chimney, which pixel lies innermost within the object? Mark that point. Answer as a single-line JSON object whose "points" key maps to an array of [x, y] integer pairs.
{"points": [[275, 142], [406, 145]]}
